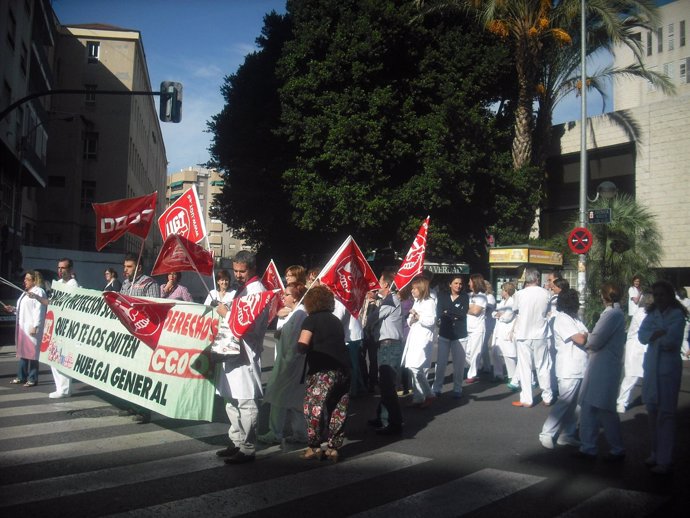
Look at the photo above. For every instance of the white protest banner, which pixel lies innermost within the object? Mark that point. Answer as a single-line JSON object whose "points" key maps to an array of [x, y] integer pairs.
{"points": [[83, 339]]}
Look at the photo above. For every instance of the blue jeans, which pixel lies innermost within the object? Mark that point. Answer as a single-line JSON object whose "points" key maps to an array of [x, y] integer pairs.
{"points": [[357, 385], [28, 370], [389, 356]]}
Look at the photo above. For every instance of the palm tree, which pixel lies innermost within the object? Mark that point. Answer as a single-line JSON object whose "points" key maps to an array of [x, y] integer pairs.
{"points": [[544, 35], [629, 245]]}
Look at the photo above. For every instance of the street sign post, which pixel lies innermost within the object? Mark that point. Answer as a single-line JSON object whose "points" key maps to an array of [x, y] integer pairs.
{"points": [[580, 240], [595, 216]]}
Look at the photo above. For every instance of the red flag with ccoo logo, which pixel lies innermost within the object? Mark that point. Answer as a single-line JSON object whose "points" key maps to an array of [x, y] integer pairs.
{"points": [[413, 264], [143, 318], [245, 310], [349, 276], [180, 255]]}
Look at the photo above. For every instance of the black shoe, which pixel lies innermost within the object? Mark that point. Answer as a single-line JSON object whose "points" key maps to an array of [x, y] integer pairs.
{"points": [[228, 452], [376, 422], [391, 429], [239, 458], [142, 418], [613, 458], [126, 412]]}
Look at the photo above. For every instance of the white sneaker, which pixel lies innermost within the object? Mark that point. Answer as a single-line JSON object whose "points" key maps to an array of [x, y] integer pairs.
{"points": [[58, 395], [620, 409], [564, 440], [546, 441]]}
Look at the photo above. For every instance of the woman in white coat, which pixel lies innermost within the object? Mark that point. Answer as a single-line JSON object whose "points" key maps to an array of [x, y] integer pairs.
{"points": [[600, 384], [662, 331], [418, 346], [29, 329], [634, 355], [285, 389], [503, 350]]}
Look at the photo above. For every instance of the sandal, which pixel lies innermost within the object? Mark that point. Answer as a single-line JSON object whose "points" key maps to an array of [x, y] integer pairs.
{"points": [[30, 383], [332, 455], [16, 381], [311, 454]]}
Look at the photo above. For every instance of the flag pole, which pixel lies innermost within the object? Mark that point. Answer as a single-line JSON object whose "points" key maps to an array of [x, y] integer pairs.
{"points": [[141, 251]]}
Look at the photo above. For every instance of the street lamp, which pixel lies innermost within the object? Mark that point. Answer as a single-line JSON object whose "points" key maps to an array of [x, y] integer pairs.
{"points": [[582, 258]]}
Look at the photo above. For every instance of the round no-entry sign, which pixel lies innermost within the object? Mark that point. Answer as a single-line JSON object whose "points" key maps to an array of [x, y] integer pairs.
{"points": [[580, 240]]}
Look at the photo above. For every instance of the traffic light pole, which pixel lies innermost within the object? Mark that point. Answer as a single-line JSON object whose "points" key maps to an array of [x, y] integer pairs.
{"points": [[36, 95]]}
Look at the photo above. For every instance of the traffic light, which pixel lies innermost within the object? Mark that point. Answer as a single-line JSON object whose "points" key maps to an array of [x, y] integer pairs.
{"points": [[171, 101]]}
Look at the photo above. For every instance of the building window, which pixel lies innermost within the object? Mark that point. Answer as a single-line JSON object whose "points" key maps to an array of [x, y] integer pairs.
{"points": [[681, 34], [11, 28], [649, 43], [176, 186], [90, 95], [90, 144], [668, 70], [670, 36], [660, 39], [93, 51], [683, 72], [88, 193]]}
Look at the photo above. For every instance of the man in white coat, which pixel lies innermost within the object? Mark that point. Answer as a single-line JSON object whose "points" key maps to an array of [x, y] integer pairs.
{"points": [[531, 333], [63, 383], [239, 380]]}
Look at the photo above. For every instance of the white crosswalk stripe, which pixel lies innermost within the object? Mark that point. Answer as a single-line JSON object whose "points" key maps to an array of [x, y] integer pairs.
{"points": [[263, 495], [458, 497], [474, 492]]}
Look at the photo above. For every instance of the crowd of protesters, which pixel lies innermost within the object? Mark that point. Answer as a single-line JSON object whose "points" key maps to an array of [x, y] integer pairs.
{"points": [[532, 338]]}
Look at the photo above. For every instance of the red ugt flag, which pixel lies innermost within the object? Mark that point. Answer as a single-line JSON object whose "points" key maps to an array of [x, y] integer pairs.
{"points": [[180, 255], [413, 264], [245, 310], [143, 318], [349, 276], [115, 218], [184, 217]]}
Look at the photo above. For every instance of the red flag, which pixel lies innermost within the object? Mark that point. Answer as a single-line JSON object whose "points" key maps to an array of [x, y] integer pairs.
{"points": [[180, 255], [349, 276], [245, 310], [184, 217], [115, 218], [413, 264], [272, 281], [143, 318], [271, 278]]}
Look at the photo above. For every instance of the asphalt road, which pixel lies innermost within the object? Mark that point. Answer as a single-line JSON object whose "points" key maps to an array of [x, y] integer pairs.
{"points": [[477, 456]]}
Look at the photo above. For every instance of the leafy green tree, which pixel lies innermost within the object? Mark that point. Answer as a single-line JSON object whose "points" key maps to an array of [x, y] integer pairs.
{"points": [[254, 201], [384, 134]]}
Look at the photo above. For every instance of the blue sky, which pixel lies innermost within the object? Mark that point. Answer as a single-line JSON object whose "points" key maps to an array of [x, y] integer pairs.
{"points": [[198, 43], [195, 42]]}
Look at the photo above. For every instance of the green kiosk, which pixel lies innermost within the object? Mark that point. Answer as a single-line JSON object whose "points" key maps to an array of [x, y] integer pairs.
{"points": [[508, 263]]}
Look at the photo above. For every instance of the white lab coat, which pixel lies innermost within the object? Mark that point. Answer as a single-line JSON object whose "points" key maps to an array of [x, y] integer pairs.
{"points": [[418, 346]]}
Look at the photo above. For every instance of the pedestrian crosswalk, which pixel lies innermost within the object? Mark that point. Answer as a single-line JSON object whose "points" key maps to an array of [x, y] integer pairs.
{"points": [[50, 451]]}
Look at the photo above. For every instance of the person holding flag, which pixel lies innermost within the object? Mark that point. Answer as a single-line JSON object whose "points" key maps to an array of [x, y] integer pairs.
{"points": [[239, 380]]}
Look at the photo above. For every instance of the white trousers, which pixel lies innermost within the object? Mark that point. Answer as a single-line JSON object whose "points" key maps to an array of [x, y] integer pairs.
{"points": [[457, 349], [420, 384], [534, 354], [243, 414], [63, 384], [562, 418], [475, 342], [627, 384], [591, 418]]}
